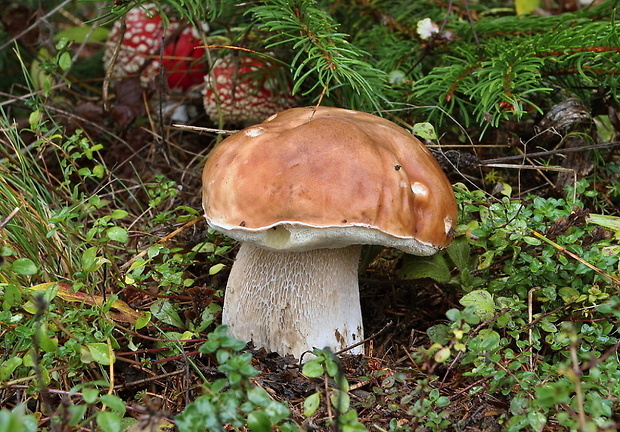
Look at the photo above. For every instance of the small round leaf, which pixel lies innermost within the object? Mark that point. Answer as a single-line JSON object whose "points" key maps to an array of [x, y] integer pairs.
{"points": [[24, 266]]}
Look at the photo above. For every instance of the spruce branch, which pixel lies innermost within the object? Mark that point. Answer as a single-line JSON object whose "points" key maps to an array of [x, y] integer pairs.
{"points": [[197, 11], [324, 59], [520, 65]]}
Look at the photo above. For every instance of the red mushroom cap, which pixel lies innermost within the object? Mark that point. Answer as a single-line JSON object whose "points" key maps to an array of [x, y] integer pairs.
{"points": [[182, 60], [140, 50], [246, 90], [143, 37]]}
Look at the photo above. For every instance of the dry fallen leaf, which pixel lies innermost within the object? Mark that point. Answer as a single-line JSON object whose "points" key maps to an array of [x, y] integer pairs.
{"points": [[120, 311]]}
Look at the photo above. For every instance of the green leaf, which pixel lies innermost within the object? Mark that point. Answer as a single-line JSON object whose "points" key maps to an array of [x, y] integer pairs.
{"points": [[458, 251], [117, 234], [532, 240], [487, 340], [311, 404], [100, 353], [98, 170], [568, 294], [90, 395], [16, 420], [424, 130], [439, 333], [554, 393], [340, 400], [12, 296], [90, 261], [165, 311], [35, 117], [143, 320], [434, 267], [65, 61], [481, 301], [24, 266], [313, 368], [331, 367], [215, 269], [115, 403], [204, 247], [526, 6], [119, 214], [82, 34], [442, 355], [537, 420], [109, 421], [611, 222], [548, 326], [46, 343], [258, 421], [76, 413], [8, 367]]}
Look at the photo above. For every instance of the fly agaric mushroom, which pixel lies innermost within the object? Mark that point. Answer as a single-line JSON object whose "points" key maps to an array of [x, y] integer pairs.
{"points": [[142, 39], [182, 59], [302, 192], [245, 90], [140, 46]]}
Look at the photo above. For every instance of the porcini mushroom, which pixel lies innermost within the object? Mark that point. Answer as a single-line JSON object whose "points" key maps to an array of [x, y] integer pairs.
{"points": [[302, 192]]}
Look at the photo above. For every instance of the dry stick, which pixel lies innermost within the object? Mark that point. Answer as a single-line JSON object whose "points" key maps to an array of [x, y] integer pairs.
{"points": [[578, 389], [471, 146], [154, 339], [322, 95], [15, 382], [496, 163], [147, 380], [34, 24], [363, 341], [176, 357], [470, 386], [530, 318], [574, 256], [9, 217], [550, 153], [330, 415], [165, 239], [111, 373], [546, 314], [204, 129], [535, 167], [598, 360], [110, 70], [111, 357], [10, 98]]}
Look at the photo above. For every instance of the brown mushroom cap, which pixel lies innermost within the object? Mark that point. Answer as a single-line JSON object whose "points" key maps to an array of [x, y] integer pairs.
{"points": [[309, 178]]}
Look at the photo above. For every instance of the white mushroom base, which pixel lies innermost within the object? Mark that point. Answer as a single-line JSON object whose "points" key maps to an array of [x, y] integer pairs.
{"points": [[292, 302]]}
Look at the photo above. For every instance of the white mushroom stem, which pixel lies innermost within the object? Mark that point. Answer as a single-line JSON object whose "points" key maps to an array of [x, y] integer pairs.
{"points": [[291, 302]]}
